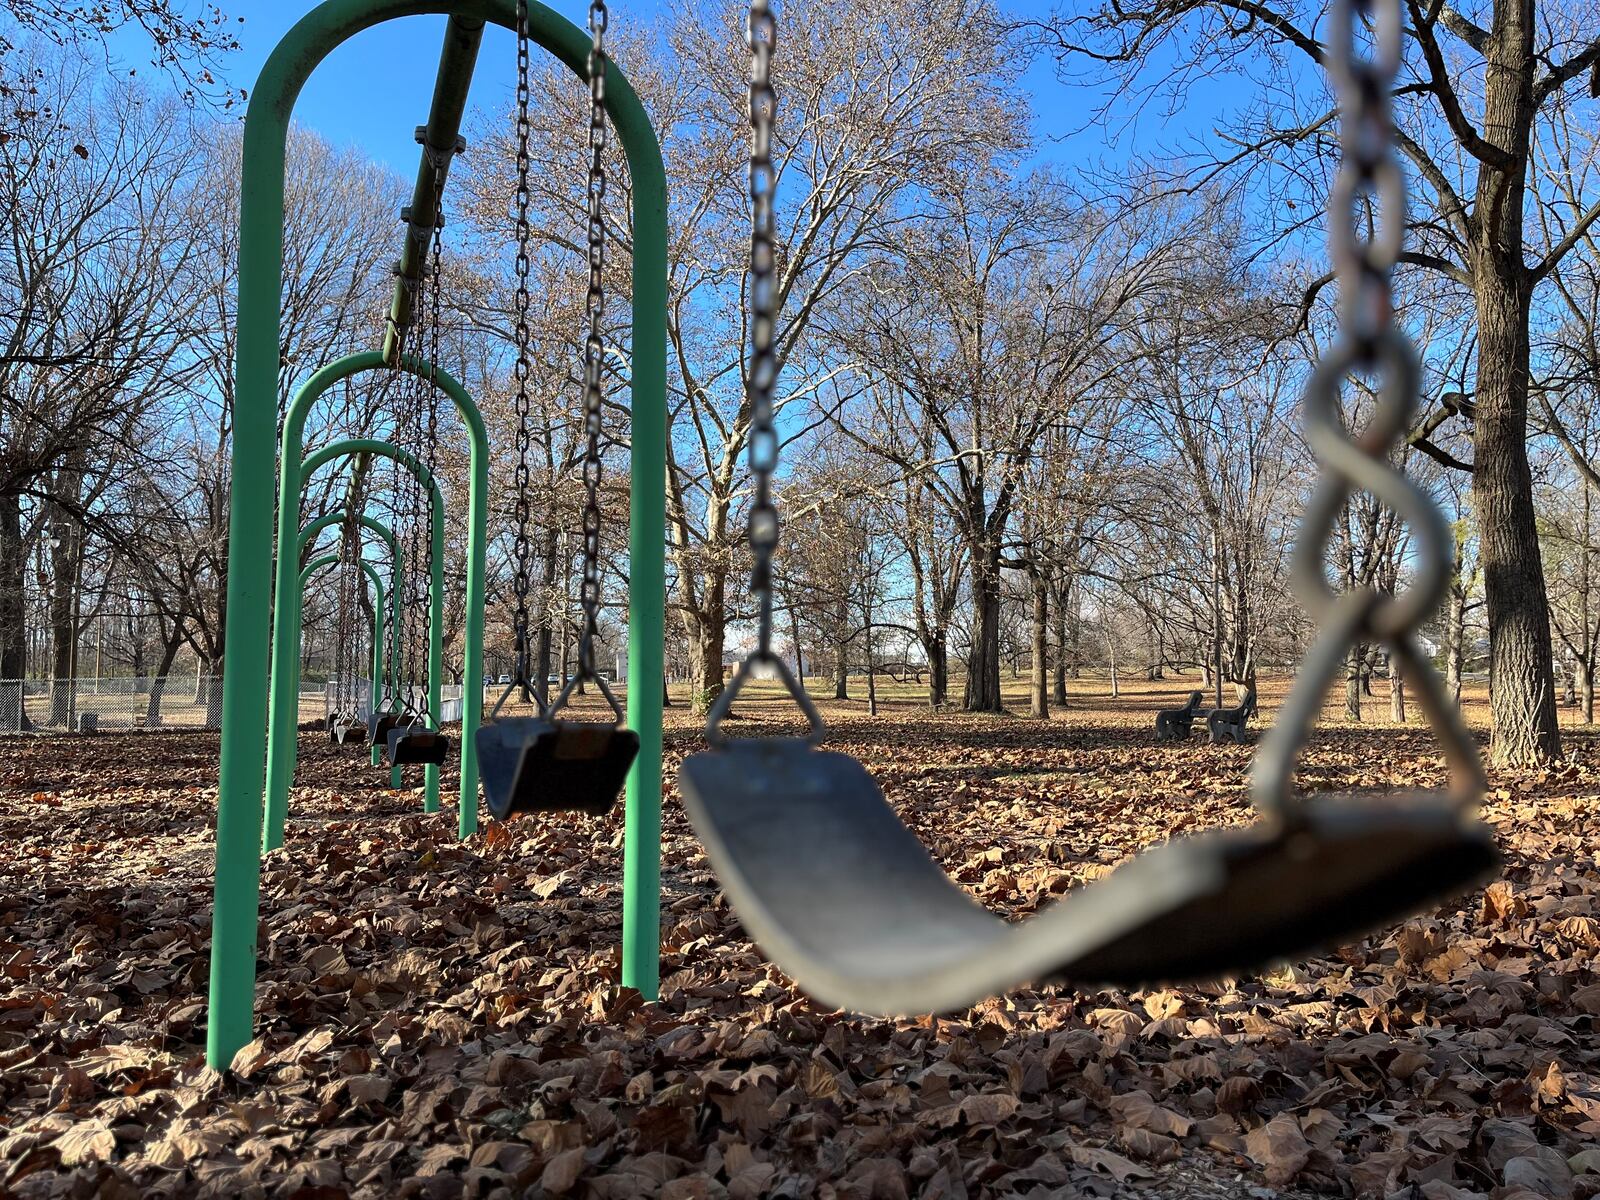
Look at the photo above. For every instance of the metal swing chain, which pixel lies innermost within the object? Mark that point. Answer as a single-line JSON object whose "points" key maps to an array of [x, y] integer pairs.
{"points": [[435, 320], [594, 345], [763, 377], [341, 648], [522, 552], [415, 509], [1370, 343]]}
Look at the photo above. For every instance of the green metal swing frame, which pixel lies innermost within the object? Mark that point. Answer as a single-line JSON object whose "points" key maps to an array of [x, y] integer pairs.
{"points": [[250, 593], [283, 715], [379, 598], [396, 591]]}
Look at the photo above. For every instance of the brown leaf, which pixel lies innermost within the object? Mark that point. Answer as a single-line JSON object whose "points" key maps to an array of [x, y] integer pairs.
{"points": [[988, 1109], [86, 1142], [1280, 1149], [1138, 1110], [1147, 1145], [561, 1173]]}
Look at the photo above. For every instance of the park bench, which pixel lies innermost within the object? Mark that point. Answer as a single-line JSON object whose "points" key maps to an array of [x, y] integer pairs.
{"points": [[1227, 724], [1175, 724]]}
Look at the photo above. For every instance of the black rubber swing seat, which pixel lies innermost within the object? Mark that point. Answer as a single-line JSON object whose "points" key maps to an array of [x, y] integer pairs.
{"points": [[843, 897], [533, 764], [343, 730], [379, 724], [408, 744]]}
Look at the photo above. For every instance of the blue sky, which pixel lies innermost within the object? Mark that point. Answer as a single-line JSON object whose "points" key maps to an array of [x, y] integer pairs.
{"points": [[373, 91]]}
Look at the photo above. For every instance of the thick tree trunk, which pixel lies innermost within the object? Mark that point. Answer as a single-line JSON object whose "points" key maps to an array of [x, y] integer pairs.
{"points": [[841, 669], [1039, 698], [13, 616], [983, 668], [1352, 683], [213, 692], [1523, 695], [1397, 694], [1455, 636], [1588, 692], [63, 626], [707, 630], [543, 643], [938, 652], [158, 685], [1060, 684]]}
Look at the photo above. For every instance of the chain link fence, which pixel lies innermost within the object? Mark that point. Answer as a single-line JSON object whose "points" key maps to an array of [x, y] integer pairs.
{"points": [[89, 705], [172, 702]]}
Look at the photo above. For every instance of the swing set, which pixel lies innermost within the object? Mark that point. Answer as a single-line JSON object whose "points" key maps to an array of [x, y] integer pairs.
{"points": [[824, 874], [579, 764]]}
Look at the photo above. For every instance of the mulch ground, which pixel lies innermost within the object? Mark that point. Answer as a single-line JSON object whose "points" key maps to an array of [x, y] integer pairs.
{"points": [[442, 1019]]}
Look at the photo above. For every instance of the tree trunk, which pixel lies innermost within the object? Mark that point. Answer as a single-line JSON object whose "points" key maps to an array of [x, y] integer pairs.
{"points": [[794, 636], [938, 653], [1039, 705], [543, 632], [213, 669], [63, 629], [158, 685], [841, 664], [1352, 682], [1062, 591], [1522, 697], [1111, 649], [1397, 694], [983, 668], [1587, 670], [1455, 636], [13, 617], [706, 630]]}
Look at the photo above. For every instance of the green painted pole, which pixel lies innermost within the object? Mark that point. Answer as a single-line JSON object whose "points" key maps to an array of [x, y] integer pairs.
{"points": [[396, 633], [241, 782]]}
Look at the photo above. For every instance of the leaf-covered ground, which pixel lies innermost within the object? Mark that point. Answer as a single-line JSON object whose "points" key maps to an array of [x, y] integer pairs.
{"points": [[441, 1019]]}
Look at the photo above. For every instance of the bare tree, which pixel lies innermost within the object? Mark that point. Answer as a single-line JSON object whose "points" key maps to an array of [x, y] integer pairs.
{"points": [[1483, 88]]}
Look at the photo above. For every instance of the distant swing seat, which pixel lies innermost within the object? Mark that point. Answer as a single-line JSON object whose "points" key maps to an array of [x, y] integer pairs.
{"points": [[1176, 724], [540, 764], [416, 742], [1227, 724], [379, 724], [345, 728], [530, 764]]}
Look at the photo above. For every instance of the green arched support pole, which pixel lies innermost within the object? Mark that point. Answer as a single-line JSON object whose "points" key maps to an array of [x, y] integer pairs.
{"points": [[378, 598], [231, 1014], [283, 717], [397, 577]]}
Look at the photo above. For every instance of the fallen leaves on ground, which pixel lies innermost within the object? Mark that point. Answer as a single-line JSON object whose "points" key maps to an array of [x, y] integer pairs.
{"points": [[441, 1019]]}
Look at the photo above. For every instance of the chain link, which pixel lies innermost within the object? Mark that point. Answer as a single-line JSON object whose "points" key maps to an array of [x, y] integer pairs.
{"points": [[761, 380], [341, 653], [594, 344], [522, 552], [417, 505], [1370, 345], [763, 303], [435, 322]]}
